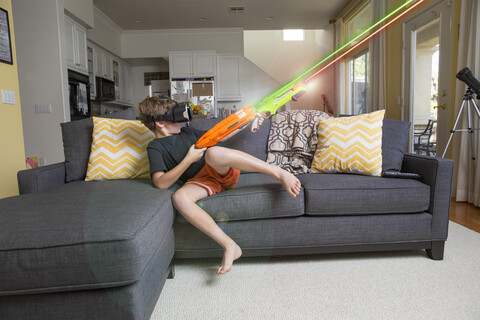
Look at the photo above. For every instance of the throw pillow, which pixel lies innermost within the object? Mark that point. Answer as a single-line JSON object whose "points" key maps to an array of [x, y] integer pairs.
{"points": [[119, 150], [350, 145]]}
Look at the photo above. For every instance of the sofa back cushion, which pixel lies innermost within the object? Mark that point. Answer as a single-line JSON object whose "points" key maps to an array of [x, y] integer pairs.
{"points": [[394, 142], [254, 143], [77, 141]]}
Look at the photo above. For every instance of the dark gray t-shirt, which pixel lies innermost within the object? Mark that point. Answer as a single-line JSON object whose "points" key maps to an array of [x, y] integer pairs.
{"points": [[166, 153]]}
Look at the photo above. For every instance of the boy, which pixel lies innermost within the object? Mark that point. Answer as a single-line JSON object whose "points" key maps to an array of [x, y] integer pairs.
{"points": [[173, 157]]}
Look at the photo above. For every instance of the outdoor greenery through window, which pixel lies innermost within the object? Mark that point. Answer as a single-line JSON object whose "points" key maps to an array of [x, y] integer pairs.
{"points": [[357, 67], [357, 87]]}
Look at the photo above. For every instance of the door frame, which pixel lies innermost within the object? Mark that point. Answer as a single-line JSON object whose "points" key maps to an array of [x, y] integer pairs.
{"points": [[439, 9]]}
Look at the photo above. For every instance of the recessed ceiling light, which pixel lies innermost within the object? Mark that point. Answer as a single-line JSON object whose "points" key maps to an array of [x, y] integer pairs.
{"points": [[270, 18], [138, 20], [203, 19]]}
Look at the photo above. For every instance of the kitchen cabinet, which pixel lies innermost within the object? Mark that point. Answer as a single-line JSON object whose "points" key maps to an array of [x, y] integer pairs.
{"points": [[91, 62], [229, 77], [126, 83], [76, 46], [103, 64], [192, 64], [122, 72]]}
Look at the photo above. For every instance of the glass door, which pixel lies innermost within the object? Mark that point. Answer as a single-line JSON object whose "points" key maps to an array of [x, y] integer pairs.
{"points": [[427, 78]]}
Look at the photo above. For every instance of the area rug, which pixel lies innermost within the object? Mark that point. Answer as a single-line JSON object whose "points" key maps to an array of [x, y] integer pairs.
{"points": [[379, 285]]}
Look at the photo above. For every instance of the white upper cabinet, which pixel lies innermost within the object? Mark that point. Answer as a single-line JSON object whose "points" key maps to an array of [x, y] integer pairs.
{"points": [[192, 64], [229, 77], [104, 65], [204, 64], [76, 46]]}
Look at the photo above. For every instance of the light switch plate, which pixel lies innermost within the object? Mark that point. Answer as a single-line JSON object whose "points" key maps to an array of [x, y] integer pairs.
{"points": [[8, 97]]}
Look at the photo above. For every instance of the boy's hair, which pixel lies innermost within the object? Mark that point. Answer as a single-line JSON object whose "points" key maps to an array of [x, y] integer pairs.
{"points": [[153, 107]]}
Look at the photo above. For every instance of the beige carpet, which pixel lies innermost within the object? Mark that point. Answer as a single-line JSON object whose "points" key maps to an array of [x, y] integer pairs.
{"points": [[392, 285]]}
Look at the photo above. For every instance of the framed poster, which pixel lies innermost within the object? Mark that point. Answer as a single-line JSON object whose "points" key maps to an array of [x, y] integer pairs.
{"points": [[5, 42]]}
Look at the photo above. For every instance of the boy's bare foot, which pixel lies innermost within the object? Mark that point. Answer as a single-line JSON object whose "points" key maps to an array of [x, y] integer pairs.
{"points": [[232, 253], [291, 183]]}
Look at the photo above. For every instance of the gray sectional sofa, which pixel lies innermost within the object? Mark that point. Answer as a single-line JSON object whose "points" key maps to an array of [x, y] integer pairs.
{"points": [[71, 249]]}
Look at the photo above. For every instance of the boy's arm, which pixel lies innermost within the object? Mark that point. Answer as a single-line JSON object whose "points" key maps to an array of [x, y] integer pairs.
{"points": [[164, 180]]}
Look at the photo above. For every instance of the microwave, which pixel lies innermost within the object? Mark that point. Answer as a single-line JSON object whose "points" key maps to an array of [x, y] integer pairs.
{"points": [[105, 89]]}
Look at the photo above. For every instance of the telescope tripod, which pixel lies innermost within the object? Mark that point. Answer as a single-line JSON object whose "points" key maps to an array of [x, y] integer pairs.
{"points": [[469, 101]]}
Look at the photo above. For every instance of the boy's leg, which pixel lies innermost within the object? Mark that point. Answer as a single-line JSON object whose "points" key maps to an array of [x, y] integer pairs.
{"points": [[185, 200], [222, 159]]}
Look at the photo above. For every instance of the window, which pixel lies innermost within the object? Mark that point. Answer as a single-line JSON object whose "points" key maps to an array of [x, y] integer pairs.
{"points": [[359, 22], [357, 66], [357, 84], [293, 35]]}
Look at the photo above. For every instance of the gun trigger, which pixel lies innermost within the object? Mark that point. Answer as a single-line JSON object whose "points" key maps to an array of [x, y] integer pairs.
{"points": [[255, 126]]}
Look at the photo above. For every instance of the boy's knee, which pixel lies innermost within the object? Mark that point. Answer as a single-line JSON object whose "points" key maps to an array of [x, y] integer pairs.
{"points": [[179, 197], [215, 155]]}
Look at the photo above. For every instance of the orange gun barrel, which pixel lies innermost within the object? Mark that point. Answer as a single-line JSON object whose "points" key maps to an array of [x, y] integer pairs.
{"points": [[226, 127]]}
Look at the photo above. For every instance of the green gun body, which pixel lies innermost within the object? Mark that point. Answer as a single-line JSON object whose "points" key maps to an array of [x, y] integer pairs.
{"points": [[271, 105]]}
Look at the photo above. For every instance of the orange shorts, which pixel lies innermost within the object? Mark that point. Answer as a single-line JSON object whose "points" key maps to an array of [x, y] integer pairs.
{"points": [[210, 180]]}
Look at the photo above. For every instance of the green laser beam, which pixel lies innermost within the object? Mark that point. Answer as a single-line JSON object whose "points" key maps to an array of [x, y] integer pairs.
{"points": [[289, 85]]}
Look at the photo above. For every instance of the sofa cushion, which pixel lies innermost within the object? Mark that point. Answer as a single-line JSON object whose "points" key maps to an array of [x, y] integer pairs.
{"points": [[256, 196], [83, 235], [394, 142], [254, 143], [77, 141], [350, 194]]}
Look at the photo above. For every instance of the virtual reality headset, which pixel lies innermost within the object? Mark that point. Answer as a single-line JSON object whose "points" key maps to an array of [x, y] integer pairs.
{"points": [[181, 112]]}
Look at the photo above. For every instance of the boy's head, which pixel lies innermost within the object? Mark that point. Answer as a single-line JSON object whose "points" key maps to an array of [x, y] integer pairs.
{"points": [[153, 107]]}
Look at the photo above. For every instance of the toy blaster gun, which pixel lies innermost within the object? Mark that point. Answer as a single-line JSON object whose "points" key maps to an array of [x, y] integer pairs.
{"points": [[266, 108]]}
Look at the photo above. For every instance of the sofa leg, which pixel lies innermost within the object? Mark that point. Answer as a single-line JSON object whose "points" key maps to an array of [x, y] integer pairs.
{"points": [[171, 271], [436, 252]]}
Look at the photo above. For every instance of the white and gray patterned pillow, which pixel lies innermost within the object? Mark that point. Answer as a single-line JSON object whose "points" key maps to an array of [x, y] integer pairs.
{"points": [[293, 139]]}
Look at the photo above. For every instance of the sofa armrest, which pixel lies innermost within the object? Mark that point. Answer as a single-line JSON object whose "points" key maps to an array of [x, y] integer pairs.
{"points": [[437, 173], [41, 179]]}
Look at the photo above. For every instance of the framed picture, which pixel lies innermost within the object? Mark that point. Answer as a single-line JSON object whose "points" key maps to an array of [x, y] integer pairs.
{"points": [[5, 42]]}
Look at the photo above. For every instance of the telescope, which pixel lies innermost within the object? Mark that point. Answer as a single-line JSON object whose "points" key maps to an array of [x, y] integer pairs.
{"points": [[473, 84], [466, 76]]}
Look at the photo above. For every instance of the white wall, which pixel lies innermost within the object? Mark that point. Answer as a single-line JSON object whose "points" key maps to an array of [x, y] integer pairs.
{"points": [[82, 11], [285, 60], [157, 43], [140, 92], [106, 33], [256, 85], [42, 74]]}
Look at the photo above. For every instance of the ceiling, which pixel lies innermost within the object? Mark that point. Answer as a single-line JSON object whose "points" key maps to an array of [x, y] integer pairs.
{"points": [[186, 14]]}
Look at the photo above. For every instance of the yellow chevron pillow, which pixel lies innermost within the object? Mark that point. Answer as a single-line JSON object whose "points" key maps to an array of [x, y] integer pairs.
{"points": [[350, 145], [119, 150]]}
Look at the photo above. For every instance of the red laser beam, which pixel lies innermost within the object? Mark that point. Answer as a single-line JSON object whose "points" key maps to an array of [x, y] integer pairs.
{"points": [[363, 40]]}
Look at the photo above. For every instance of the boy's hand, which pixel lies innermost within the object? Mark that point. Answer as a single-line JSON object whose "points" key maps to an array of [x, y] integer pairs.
{"points": [[257, 122], [195, 154], [260, 118]]}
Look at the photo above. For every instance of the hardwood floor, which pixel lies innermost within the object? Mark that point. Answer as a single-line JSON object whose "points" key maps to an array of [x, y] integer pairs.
{"points": [[465, 214]]}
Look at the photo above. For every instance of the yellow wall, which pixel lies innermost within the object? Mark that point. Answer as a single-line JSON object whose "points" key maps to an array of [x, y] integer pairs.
{"points": [[12, 157], [394, 57]]}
